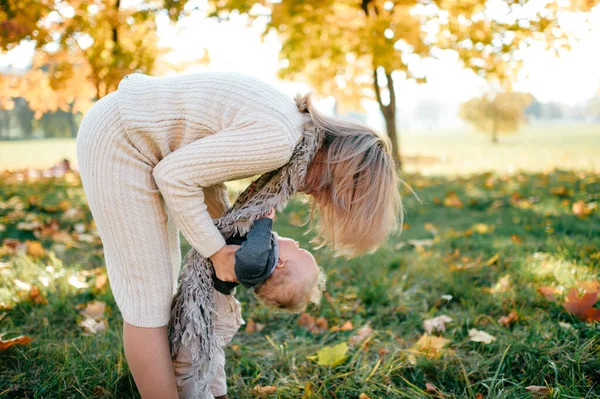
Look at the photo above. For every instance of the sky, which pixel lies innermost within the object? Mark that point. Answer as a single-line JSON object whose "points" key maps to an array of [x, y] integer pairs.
{"points": [[235, 46]]}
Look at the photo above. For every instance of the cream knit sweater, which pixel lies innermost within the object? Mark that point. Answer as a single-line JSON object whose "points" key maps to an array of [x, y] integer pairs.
{"points": [[198, 130]]}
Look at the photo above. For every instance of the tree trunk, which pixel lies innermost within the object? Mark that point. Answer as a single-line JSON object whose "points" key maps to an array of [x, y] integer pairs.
{"points": [[389, 114], [71, 119]]}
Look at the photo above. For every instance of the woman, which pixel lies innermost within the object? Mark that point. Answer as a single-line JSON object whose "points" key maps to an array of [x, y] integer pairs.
{"points": [[153, 158]]}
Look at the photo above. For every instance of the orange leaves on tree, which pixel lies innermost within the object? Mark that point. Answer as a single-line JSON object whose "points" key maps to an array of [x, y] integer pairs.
{"points": [[20, 340], [582, 306]]}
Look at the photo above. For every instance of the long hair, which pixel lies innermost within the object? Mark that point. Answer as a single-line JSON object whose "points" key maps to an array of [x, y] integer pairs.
{"points": [[353, 183]]}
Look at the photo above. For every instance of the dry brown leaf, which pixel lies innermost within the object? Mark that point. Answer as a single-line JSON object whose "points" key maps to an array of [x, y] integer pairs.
{"points": [[262, 392], [434, 391], [479, 396], [548, 292], [36, 296], [362, 334], [315, 326], [538, 391], [347, 326], [94, 309], [363, 396], [252, 326], [507, 320], [582, 307], [20, 340]]}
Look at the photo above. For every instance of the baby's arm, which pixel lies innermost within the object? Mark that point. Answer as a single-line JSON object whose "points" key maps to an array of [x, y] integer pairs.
{"points": [[252, 258]]}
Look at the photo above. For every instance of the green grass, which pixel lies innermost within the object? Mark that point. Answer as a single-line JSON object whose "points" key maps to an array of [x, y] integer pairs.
{"points": [[538, 239]]}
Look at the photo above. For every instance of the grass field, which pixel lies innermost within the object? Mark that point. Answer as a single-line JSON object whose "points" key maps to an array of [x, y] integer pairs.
{"points": [[476, 249], [433, 152]]}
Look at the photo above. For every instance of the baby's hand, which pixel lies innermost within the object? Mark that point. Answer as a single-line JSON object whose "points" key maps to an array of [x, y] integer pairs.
{"points": [[271, 214]]}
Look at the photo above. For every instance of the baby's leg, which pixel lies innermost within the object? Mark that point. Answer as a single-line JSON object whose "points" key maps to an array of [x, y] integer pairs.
{"points": [[227, 323], [184, 373]]}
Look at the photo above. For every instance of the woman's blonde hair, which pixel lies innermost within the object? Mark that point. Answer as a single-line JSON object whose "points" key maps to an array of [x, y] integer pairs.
{"points": [[354, 184]]}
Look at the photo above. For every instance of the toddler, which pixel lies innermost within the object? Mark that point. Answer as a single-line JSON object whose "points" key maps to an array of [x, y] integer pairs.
{"points": [[283, 276]]}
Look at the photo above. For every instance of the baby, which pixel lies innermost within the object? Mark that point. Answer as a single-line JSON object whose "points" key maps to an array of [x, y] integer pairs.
{"points": [[283, 276]]}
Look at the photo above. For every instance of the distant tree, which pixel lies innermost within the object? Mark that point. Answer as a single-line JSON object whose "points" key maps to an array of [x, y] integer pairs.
{"points": [[356, 49], [502, 113], [553, 110], [592, 108], [534, 110]]}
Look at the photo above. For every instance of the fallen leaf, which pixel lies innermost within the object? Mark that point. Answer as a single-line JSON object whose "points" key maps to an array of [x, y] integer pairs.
{"points": [[580, 208], [582, 307], [437, 323], [36, 296], [34, 249], [331, 356], [347, 326], [481, 336], [507, 320], [252, 326], [92, 326], [589, 286], [479, 396], [362, 334], [503, 285], [538, 391], [77, 282], [482, 228], [452, 200], [20, 340], [548, 292], [430, 346], [94, 309], [363, 396], [261, 391], [435, 391], [100, 281], [516, 239], [560, 191], [315, 326]]}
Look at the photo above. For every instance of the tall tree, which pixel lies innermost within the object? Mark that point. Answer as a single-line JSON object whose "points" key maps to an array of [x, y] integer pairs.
{"points": [[502, 113], [356, 49], [107, 38]]}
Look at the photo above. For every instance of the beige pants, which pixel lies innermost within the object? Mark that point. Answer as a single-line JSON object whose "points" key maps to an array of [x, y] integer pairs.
{"points": [[227, 323]]}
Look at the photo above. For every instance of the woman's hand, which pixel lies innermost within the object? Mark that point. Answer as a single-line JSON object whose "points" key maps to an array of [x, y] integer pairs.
{"points": [[224, 263], [271, 214]]}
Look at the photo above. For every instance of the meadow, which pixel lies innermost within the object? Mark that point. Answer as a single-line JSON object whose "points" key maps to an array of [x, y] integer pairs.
{"points": [[489, 292]]}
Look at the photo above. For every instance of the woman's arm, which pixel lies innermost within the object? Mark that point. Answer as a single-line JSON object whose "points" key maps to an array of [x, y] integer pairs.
{"points": [[228, 155]]}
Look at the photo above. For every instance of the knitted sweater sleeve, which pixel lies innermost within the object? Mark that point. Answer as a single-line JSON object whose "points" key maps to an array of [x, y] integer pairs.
{"points": [[227, 155]]}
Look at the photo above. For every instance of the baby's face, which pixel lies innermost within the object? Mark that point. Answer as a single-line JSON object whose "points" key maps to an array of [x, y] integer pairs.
{"points": [[300, 265]]}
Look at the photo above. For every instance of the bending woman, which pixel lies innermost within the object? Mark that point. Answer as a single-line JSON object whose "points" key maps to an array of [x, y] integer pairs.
{"points": [[153, 157]]}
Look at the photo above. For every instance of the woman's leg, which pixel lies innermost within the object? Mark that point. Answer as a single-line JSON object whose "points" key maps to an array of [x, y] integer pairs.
{"points": [[140, 257], [152, 369]]}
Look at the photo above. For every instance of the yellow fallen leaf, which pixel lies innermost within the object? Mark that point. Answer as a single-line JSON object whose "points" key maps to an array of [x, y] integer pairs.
{"points": [[363, 396], [430, 346], [34, 248], [492, 260], [331, 356]]}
